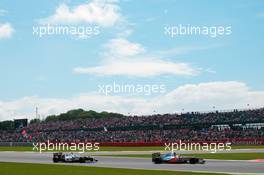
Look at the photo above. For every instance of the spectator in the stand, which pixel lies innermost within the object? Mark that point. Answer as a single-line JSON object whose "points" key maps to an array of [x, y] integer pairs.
{"points": [[76, 130]]}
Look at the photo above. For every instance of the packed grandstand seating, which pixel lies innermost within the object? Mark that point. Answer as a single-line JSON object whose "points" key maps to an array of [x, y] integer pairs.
{"points": [[195, 126]]}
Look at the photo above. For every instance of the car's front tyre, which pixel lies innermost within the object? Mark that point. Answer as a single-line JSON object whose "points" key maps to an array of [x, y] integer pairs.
{"points": [[55, 160]]}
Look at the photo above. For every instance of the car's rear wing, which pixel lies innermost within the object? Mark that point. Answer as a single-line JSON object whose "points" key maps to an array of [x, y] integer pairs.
{"points": [[57, 155], [156, 156]]}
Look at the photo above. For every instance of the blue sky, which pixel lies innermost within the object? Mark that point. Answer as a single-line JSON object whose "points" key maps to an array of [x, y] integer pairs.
{"points": [[42, 71]]}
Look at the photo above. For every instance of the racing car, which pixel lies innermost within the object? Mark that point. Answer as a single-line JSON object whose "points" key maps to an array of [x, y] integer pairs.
{"points": [[173, 158], [70, 157]]}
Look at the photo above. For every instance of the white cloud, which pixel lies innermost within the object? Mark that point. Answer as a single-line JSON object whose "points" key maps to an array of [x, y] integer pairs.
{"points": [[184, 50], [123, 57], [143, 68], [121, 47], [191, 97], [222, 95], [100, 12], [6, 30], [24, 107]]}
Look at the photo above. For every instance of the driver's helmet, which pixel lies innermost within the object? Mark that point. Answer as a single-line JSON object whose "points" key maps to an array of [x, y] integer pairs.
{"points": [[176, 155]]}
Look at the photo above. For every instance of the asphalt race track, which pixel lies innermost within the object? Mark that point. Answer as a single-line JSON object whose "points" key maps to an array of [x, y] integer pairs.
{"points": [[232, 167]]}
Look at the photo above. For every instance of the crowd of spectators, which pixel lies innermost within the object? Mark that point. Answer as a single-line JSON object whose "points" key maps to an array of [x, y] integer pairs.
{"points": [[76, 130], [166, 119], [137, 135]]}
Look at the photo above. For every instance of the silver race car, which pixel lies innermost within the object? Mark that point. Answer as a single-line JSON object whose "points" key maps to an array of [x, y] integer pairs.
{"points": [[70, 157]]}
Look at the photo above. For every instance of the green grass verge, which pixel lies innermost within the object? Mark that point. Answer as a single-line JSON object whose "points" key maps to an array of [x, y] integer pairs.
{"points": [[41, 169], [16, 148], [219, 156], [109, 148]]}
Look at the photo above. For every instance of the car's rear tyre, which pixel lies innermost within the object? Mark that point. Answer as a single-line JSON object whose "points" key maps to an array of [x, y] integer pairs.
{"points": [[82, 160], [194, 161], [157, 161]]}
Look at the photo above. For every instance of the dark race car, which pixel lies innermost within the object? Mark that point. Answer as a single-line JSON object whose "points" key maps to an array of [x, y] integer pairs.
{"points": [[173, 158], [70, 157]]}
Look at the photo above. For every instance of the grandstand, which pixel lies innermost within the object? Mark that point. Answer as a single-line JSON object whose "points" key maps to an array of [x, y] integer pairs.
{"points": [[241, 126]]}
